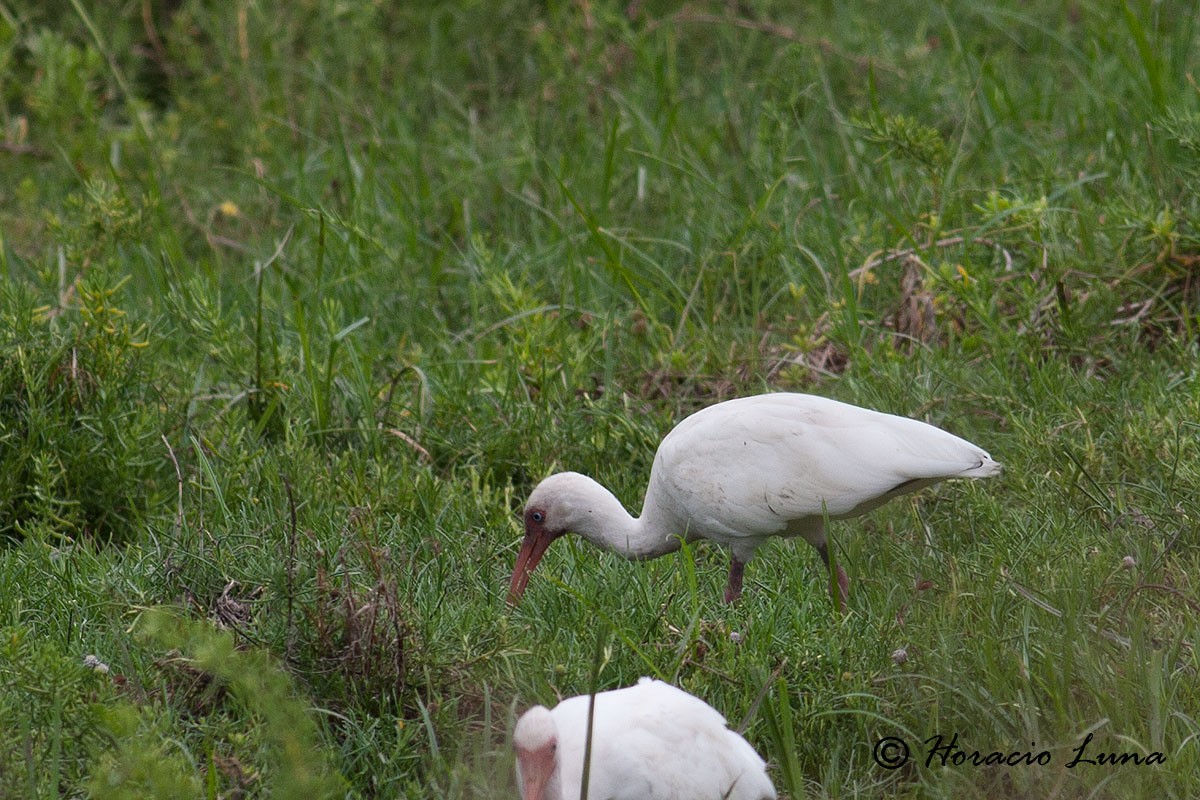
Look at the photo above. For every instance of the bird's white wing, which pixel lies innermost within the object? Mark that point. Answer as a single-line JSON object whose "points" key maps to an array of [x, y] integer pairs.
{"points": [[785, 457], [655, 742]]}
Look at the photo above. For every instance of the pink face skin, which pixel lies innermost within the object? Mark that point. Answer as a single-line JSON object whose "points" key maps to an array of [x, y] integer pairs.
{"points": [[535, 767], [537, 538]]}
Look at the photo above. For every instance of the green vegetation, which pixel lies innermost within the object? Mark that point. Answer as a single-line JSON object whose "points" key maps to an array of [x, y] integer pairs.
{"points": [[299, 300]]}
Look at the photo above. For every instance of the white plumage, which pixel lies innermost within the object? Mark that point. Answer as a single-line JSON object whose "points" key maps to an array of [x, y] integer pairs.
{"points": [[650, 741], [743, 470]]}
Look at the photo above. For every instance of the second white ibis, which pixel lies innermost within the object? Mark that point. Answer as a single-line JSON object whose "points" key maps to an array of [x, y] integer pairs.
{"points": [[744, 470], [648, 742]]}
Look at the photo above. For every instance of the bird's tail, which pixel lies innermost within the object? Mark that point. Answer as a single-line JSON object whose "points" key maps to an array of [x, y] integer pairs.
{"points": [[986, 468]]}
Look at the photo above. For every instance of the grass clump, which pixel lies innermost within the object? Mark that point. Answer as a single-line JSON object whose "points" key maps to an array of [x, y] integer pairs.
{"points": [[139, 761], [81, 409], [296, 764], [48, 704], [80, 418]]}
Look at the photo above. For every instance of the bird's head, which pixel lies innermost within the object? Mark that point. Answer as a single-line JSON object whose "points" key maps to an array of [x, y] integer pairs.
{"points": [[535, 740], [558, 505]]}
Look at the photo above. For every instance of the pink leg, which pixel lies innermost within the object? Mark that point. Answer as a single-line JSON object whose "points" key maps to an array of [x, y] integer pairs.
{"points": [[733, 590], [843, 581]]}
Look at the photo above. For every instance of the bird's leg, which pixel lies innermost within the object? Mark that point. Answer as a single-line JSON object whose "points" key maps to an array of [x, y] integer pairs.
{"points": [[733, 589], [843, 581]]}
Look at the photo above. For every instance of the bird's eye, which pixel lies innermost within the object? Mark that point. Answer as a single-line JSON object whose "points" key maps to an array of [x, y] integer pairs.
{"points": [[537, 516]]}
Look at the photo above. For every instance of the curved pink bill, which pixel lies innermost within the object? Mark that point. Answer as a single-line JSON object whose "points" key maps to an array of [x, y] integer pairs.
{"points": [[535, 768], [532, 549]]}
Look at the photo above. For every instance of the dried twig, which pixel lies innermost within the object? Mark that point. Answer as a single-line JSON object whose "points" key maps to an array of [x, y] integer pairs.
{"points": [[18, 149], [910, 252], [423, 455]]}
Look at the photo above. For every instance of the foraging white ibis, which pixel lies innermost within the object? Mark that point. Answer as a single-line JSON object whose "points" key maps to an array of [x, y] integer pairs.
{"points": [[650, 741], [743, 470]]}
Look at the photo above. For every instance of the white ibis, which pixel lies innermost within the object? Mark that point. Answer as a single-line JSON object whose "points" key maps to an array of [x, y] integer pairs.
{"points": [[743, 470], [650, 741]]}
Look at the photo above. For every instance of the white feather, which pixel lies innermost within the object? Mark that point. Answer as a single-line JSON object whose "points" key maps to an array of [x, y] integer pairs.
{"points": [[650, 741]]}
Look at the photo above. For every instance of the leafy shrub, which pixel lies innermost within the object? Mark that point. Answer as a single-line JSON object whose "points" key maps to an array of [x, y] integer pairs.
{"points": [[79, 415], [46, 715]]}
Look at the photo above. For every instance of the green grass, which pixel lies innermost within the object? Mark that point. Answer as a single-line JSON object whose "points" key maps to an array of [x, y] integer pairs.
{"points": [[298, 303]]}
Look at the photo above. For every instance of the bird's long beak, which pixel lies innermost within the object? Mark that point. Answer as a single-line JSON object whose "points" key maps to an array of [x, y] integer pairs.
{"points": [[532, 549], [535, 768]]}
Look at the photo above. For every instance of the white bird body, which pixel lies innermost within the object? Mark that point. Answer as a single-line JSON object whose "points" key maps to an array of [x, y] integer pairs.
{"points": [[744, 470], [778, 464], [650, 741]]}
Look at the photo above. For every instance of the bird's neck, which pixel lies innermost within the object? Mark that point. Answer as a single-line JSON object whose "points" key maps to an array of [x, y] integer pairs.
{"points": [[608, 525]]}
